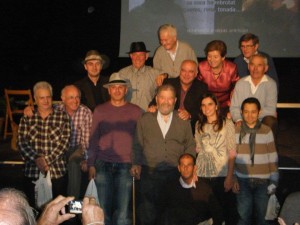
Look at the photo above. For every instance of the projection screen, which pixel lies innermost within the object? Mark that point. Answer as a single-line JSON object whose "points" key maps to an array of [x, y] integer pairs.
{"points": [[275, 22]]}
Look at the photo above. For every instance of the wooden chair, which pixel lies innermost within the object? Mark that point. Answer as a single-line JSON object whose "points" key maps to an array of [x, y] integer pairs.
{"points": [[20, 97]]}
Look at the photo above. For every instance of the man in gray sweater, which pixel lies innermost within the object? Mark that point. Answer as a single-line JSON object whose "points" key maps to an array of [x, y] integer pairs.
{"points": [[161, 138]]}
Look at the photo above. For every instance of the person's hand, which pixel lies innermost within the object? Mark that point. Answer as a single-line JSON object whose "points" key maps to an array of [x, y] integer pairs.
{"points": [[84, 166], [236, 187], [54, 212], [238, 123], [281, 221], [271, 189], [228, 116], [152, 108], [92, 172], [183, 114], [135, 171], [228, 183], [160, 79], [91, 212], [28, 111], [41, 164]]}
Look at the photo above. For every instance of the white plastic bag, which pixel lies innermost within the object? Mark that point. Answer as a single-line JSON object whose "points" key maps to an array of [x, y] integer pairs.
{"points": [[91, 191], [43, 189], [273, 208]]}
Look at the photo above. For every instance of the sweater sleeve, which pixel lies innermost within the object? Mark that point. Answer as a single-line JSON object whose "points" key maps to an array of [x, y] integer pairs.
{"points": [[273, 158], [137, 154], [269, 109], [190, 146], [94, 138], [235, 110]]}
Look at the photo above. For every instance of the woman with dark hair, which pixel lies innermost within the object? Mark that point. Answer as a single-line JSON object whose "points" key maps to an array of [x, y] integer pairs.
{"points": [[219, 74], [216, 148]]}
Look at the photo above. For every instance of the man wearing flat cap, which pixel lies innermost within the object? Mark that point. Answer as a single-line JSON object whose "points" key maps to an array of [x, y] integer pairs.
{"points": [[92, 91], [141, 77], [109, 152]]}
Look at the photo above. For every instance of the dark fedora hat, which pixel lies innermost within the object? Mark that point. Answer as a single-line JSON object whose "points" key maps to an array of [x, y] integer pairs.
{"points": [[137, 47]]}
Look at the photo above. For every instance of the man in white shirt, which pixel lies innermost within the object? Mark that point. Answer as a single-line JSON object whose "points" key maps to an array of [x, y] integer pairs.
{"points": [[260, 86]]}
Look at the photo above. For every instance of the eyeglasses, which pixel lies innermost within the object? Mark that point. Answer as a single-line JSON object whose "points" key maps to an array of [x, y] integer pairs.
{"points": [[247, 46]]}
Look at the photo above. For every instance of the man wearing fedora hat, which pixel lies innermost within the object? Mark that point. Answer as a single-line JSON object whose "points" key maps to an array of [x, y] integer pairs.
{"points": [[109, 152], [141, 77], [91, 86]]}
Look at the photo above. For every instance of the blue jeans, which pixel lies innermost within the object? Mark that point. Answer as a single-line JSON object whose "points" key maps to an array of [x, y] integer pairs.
{"points": [[253, 195], [114, 186]]}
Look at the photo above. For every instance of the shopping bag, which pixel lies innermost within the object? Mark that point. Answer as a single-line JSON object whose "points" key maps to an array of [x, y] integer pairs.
{"points": [[273, 208], [91, 191], [43, 189]]}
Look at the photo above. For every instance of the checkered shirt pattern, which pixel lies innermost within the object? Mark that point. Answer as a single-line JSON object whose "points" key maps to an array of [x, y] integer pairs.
{"points": [[49, 137], [81, 123]]}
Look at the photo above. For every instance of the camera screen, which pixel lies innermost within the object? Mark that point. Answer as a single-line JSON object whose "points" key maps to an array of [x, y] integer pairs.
{"points": [[75, 207]]}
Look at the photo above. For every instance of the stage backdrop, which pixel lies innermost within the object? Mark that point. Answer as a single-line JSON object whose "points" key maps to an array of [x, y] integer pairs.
{"points": [[276, 22]]}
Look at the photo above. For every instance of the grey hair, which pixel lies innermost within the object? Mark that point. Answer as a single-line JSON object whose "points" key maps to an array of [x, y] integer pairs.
{"points": [[166, 87], [42, 85], [18, 203], [168, 27], [260, 55], [69, 86]]}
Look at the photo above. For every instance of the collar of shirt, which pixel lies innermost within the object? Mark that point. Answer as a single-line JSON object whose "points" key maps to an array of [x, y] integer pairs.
{"points": [[247, 60], [252, 86], [173, 55], [185, 185], [164, 126]]}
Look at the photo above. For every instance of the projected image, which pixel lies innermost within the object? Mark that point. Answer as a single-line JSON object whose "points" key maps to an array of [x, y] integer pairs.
{"points": [[276, 22]]}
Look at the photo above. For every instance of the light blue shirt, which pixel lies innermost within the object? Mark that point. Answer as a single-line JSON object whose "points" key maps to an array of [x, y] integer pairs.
{"points": [[164, 126]]}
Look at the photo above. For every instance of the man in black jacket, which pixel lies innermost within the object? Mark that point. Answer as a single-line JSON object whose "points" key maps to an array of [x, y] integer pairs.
{"points": [[189, 91], [92, 91]]}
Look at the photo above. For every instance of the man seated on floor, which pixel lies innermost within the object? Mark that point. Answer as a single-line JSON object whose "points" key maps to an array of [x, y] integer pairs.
{"points": [[189, 202]]}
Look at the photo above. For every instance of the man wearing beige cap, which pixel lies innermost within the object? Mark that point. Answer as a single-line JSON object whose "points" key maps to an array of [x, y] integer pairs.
{"points": [[91, 86], [109, 152]]}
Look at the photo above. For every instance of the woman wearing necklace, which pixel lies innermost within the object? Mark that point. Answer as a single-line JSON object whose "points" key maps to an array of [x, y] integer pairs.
{"points": [[219, 74], [216, 148]]}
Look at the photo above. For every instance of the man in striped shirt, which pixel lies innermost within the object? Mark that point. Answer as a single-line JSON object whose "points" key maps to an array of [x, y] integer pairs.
{"points": [[43, 140], [256, 164], [81, 122]]}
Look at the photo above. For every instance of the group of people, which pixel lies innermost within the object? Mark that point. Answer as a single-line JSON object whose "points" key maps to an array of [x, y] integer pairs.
{"points": [[197, 136]]}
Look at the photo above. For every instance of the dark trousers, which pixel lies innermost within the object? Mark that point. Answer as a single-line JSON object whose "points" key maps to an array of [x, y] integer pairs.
{"points": [[152, 185], [227, 200]]}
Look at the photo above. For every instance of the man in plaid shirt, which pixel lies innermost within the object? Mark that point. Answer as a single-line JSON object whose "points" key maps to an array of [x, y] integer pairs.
{"points": [[81, 122], [43, 140]]}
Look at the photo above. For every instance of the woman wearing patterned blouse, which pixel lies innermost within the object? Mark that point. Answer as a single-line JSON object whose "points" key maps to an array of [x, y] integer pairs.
{"points": [[215, 141]]}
